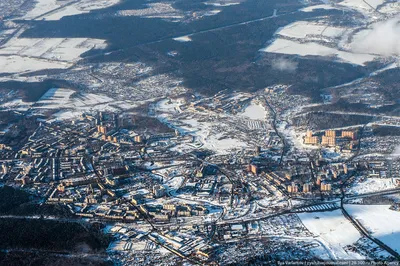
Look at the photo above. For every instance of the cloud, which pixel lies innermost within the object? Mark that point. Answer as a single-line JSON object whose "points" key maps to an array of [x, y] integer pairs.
{"points": [[383, 38], [283, 64]]}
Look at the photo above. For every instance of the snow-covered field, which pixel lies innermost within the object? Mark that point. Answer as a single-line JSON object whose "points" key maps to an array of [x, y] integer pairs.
{"points": [[55, 98], [283, 46], [374, 37], [301, 29], [313, 8], [209, 133], [26, 55], [73, 104], [372, 185], [59, 49], [359, 5], [18, 64], [210, 139], [334, 231], [69, 103], [58, 98], [55, 10], [22, 55], [42, 7], [362, 5], [222, 145], [390, 8], [382, 222], [254, 111]]}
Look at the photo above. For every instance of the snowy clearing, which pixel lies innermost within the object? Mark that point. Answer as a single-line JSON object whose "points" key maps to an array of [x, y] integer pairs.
{"points": [[254, 111], [69, 103], [72, 104], [372, 185], [330, 227], [34, 54], [17, 64], [316, 7], [60, 49], [42, 7], [302, 29], [55, 10], [282, 46], [382, 222], [222, 145], [362, 5], [205, 130]]}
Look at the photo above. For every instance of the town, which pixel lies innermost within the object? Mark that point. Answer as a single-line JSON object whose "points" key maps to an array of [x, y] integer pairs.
{"points": [[172, 192]]}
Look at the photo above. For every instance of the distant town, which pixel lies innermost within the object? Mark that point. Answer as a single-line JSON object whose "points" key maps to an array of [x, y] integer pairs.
{"points": [[164, 190]]}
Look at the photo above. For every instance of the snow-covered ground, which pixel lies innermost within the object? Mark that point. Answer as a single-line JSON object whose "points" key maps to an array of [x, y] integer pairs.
{"points": [[25, 54], [69, 103], [372, 185], [18, 64], [301, 29], [209, 138], [382, 222], [390, 8], [209, 133], [21, 55], [154, 10], [374, 37], [222, 145], [254, 111], [367, 6], [42, 7], [361, 5], [313, 8], [283, 46], [334, 230], [70, 107], [55, 10], [175, 182], [55, 98]]}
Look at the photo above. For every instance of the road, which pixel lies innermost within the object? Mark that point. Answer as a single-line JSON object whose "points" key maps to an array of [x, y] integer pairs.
{"points": [[284, 142]]}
